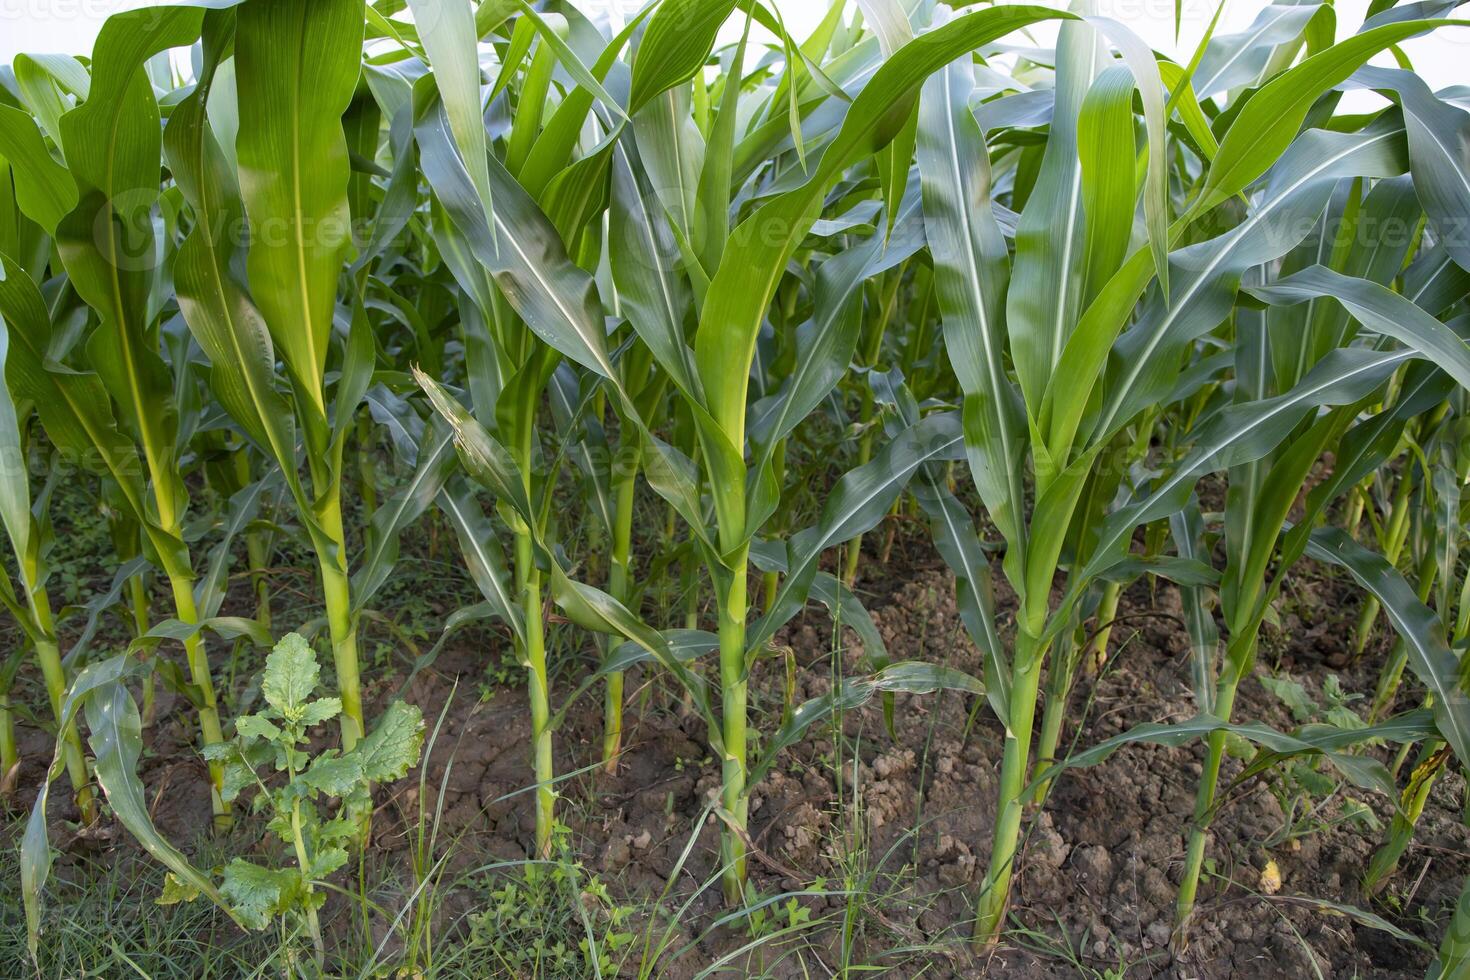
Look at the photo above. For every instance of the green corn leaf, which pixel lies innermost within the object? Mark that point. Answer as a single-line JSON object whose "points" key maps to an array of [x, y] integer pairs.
{"points": [[1381, 310], [675, 478], [675, 45], [227, 627], [116, 737], [1106, 179], [46, 83], [1239, 434], [1454, 951], [712, 195], [1149, 82], [35, 849], [1324, 741], [297, 69], [958, 543], [1182, 97], [1434, 280], [485, 459], [449, 38], [593, 609], [643, 257], [855, 505], [970, 276], [102, 603], [1209, 272], [242, 509], [1045, 295], [1186, 526], [220, 314], [113, 146], [517, 244], [1358, 237], [15, 490], [74, 406], [402, 509], [825, 344], [559, 136], [845, 609], [671, 150], [906, 677], [1430, 657], [684, 645], [761, 244], [1233, 60], [1269, 121], [1438, 132], [569, 60], [482, 554], [44, 189]]}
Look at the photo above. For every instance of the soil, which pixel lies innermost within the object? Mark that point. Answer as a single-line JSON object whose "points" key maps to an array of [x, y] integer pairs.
{"points": [[1100, 863]]}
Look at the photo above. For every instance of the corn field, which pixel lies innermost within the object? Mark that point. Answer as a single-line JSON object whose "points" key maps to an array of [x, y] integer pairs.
{"points": [[375, 366]]}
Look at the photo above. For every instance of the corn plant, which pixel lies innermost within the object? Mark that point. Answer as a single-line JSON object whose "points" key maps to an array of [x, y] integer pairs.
{"points": [[292, 300], [120, 408], [523, 260], [514, 337], [28, 531], [292, 158], [1360, 247], [1090, 359], [1430, 465], [1434, 546], [122, 403], [557, 307]]}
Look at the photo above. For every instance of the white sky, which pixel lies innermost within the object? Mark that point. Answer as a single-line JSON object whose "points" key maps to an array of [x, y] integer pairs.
{"points": [[70, 26]]}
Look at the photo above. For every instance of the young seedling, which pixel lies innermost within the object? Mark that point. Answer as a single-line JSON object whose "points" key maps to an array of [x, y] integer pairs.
{"points": [[302, 816]]}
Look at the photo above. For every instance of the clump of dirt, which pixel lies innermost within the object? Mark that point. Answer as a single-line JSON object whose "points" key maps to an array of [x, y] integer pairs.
{"points": [[907, 815]]}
